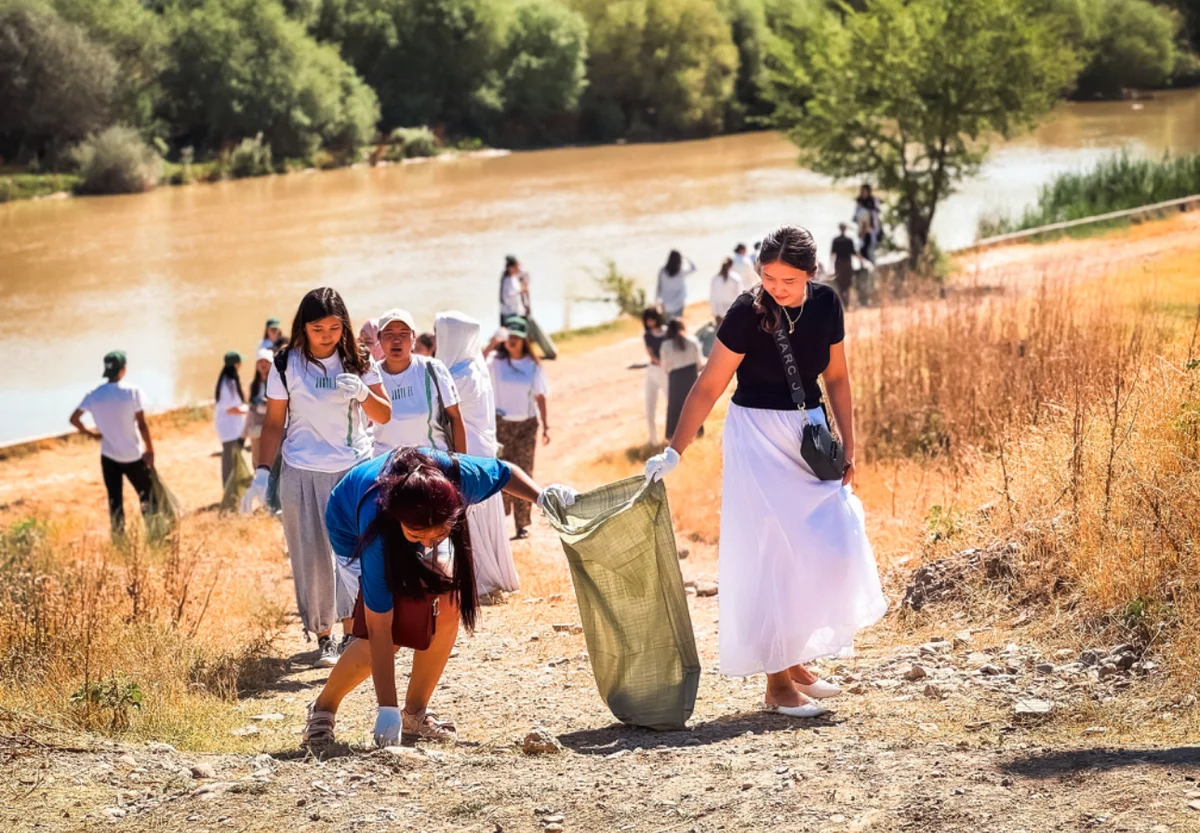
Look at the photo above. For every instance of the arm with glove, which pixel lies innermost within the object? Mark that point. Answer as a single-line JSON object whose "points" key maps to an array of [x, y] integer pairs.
{"points": [[374, 401]]}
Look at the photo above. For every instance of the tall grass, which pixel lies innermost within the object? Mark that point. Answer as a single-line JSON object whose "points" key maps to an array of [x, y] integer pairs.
{"points": [[1116, 183]]}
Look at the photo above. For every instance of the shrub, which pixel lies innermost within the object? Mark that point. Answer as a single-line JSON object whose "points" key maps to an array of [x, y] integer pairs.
{"points": [[250, 158], [116, 161], [411, 142], [621, 290]]}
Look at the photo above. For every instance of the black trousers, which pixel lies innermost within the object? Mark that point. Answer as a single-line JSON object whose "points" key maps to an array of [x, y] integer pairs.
{"points": [[139, 477]]}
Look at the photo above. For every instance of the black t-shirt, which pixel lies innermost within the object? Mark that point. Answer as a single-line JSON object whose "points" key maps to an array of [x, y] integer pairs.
{"points": [[843, 247], [761, 382], [654, 342]]}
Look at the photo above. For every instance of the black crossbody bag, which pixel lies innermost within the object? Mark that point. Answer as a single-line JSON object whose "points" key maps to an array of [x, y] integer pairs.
{"points": [[819, 448]]}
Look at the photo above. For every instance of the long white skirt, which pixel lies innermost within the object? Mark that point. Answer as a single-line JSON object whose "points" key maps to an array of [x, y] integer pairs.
{"points": [[797, 574], [494, 568]]}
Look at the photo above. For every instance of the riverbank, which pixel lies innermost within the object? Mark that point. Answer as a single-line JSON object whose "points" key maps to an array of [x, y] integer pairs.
{"points": [[974, 703]]}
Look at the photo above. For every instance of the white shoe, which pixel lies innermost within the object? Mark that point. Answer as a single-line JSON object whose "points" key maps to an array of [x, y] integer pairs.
{"points": [[805, 711], [819, 690]]}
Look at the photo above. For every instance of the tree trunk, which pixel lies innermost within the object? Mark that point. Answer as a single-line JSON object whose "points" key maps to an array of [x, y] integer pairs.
{"points": [[918, 236]]}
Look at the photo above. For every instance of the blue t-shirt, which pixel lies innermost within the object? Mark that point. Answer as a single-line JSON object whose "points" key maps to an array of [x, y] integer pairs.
{"points": [[352, 508]]}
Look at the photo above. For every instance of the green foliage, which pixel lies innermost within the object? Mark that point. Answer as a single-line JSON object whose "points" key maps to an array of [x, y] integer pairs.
{"points": [[252, 157], [56, 84], [905, 93], [29, 186], [621, 290], [241, 67], [114, 696], [748, 29], [116, 161], [543, 63], [1114, 184], [657, 68], [943, 523], [412, 142]]}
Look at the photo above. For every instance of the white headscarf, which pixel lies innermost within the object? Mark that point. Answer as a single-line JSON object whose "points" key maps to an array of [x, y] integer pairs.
{"points": [[458, 348]]}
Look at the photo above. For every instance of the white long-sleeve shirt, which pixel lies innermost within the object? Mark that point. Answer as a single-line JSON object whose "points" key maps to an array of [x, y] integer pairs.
{"points": [[723, 292], [671, 290]]}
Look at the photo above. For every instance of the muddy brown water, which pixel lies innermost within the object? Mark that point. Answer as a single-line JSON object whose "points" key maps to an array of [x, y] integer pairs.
{"points": [[178, 276]]}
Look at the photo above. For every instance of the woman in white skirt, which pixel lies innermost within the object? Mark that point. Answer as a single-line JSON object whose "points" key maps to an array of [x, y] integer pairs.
{"points": [[326, 389], [458, 344], [797, 574]]}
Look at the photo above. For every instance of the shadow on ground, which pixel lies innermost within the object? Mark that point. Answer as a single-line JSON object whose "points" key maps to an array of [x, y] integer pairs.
{"points": [[1062, 762], [618, 737]]}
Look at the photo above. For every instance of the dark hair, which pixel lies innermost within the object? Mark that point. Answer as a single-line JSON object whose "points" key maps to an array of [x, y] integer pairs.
{"points": [[258, 382], [502, 351], [413, 490], [651, 313], [674, 263], [727, 264], [427, 340], [322, 303], [675, 331], [792, 246], [229, 371]]}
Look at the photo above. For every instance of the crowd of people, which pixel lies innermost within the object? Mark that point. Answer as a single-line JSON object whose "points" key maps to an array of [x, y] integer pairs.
{"points": [[393, 457]]}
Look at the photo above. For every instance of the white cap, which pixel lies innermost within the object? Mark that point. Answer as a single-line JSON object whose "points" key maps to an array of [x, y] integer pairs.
{"points": [[401, 315], [265, 354]]}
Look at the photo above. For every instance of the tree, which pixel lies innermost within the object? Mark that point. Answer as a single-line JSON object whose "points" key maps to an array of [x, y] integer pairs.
{"points": [[56, 85], [906, 92], [1134, 46], [543, 62], [657, 68], [242, 67], [748, 30]]}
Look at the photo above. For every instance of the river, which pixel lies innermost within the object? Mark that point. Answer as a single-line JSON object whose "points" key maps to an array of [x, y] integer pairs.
{"points": [[180, 275]]}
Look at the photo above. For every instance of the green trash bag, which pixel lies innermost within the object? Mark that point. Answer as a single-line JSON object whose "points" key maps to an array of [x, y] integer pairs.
{"points": [[163, 512], [621, 549], [274, 505], [539, 337], [239, 481], [707, 336]]}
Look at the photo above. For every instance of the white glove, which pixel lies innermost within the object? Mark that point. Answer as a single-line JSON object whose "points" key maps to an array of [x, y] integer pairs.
{"points": [[563, 494], [353, 386], [660, 465], [256, 492], [387, 726]]}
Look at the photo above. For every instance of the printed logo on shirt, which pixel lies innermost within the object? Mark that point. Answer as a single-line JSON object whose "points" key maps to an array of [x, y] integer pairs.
{"points": [[324, 383], [405, 392]]}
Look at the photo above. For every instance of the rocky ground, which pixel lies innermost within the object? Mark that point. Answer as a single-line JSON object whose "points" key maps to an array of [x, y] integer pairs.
{"points": [[964, 710]]}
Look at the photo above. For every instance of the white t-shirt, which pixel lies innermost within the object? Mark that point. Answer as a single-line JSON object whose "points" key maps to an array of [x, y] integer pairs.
{"points": [[672, 289], [326, 431], [723, 292], [744, 266], [674, 357], [415, 406], [229, 426], [516, 385], [113, 406], [511, 300]]}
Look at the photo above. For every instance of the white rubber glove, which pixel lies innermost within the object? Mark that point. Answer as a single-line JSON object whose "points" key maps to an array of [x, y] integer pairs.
{"points": [[353, 386], [256, 492], [660, 465], [387, 726], [564, 494]]}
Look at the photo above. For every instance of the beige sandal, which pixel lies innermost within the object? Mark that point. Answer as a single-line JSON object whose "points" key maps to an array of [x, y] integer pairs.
{"points": [[318, 728], [425, 725]]}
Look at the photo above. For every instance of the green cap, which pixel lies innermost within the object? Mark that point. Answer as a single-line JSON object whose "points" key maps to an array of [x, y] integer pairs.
{"points": [[273, 322], [114, 363], [517, 326], [233, 357]]}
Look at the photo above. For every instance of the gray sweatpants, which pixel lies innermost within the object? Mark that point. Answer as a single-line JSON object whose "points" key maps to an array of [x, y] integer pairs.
{"points": [[320, 597]]}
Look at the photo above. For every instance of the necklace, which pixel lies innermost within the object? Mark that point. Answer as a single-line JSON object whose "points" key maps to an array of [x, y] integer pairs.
{"points": [[792, 321]]}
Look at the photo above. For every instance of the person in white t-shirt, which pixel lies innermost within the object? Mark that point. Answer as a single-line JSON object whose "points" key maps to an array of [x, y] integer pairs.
{"points": [[126, 450], [725, 288], [421, 392], [520, 387], [670, 292], [229, 414], [328, 395], [272, 336], [514, 291], [743, 265]]}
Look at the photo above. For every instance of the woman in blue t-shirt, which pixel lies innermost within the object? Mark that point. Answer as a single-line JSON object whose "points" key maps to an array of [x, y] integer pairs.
{"points": [[398, 525]]}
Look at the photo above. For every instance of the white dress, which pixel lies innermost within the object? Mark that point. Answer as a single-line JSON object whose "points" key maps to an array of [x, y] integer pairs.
{"points": [[459, 348], [797, 573]]}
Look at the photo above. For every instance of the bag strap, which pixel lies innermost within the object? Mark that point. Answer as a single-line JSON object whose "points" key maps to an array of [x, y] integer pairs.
{"points": [[791, 369], [431, 386]]}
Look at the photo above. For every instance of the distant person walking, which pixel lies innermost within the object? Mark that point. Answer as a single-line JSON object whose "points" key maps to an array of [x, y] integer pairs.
{"points": [[670, 292], [681, 361], [867, 219], [126, 450], [797, 574], [843, 264], [520, 387], [272, 338], [653, 334], [425, 345], [326, 389], [726, 286], [229, 414], [514, 291], [743, 265], [424, 399], [257, 410], [458, 338]]}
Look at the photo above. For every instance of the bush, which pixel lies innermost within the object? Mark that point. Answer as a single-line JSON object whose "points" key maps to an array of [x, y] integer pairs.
{"points": [[116, 161], [250, 158], [544, 62], [621, 290], [412, 142]]}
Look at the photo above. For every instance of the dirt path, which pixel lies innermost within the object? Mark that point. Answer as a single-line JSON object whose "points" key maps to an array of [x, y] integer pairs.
{"points": [[894, 755]]}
